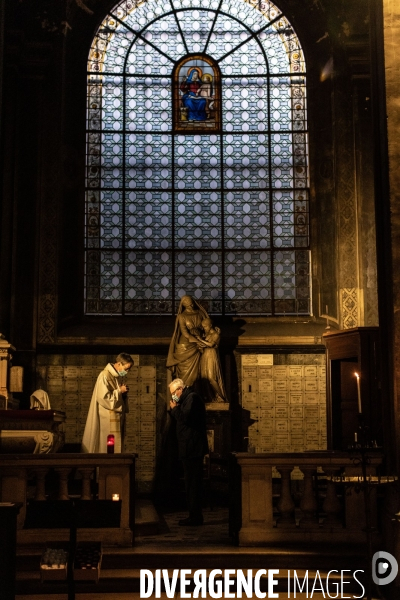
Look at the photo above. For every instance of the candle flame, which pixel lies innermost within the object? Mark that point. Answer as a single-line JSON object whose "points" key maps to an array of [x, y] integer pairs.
{"points": [[357, 375]]}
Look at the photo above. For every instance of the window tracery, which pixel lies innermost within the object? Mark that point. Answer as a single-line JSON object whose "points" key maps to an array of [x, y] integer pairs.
{"points": [[197, 174]]}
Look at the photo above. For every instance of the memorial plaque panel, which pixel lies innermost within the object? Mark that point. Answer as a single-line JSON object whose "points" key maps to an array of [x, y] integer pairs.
{"points": [[310, 371], [296, 425], [285, 398], [265, 372], [295, 385], [266, 385], [296, 371], [281, 398], [280, 385], [296, 412], [311, 398], [280, 371], [147, 372], [267, 413], [249, 372], [249, 398], [267, 399], [311, 412], [296, 398], [281, 412], [250, 385], [311, 385], [281, 425], [249, 359], [147, 386], [265, 359]]}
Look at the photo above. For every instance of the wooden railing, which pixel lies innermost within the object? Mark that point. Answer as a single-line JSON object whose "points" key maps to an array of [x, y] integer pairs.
{"points": [[25, 477], [317, 496]]}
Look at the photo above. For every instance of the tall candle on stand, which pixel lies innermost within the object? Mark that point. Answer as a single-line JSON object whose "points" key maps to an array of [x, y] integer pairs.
{"points": [[358, 393]]}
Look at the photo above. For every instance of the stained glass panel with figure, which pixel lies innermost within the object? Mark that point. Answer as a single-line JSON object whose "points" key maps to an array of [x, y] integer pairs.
{"points": [[196, 95]]}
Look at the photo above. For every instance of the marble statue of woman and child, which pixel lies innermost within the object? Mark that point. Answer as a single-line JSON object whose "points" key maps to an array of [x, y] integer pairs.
{"points": [[193, 352]]}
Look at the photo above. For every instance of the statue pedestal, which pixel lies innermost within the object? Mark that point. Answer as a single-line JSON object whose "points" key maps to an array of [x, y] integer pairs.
{"points": [[212, 406], [219, 442], [219, 429]]}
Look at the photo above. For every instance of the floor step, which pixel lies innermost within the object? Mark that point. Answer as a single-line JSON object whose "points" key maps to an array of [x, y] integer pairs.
{"points": [[141, 557], [161, 544]]}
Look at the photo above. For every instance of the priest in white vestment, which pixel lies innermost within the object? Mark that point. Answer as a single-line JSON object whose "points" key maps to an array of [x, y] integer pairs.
{"points": [[108, 407]]}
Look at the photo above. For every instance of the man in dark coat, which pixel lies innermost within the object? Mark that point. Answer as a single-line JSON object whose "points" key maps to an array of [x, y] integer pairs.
{"points": [[188, 409]]}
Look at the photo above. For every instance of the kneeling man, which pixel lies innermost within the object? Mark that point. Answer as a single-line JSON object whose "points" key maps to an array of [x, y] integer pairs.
{"points": [[188, 409]]}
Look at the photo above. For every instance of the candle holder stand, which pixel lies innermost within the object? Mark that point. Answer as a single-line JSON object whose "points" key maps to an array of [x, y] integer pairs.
{"points": [[361, 453]]}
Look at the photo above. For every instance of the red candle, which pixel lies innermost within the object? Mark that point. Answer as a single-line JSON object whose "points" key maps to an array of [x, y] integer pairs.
{"points": [[110, 444]]}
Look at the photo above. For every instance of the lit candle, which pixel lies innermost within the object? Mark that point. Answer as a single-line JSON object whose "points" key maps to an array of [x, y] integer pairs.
{"points": [[115, 497], [355, 437], [110, 444], [358, 393]]}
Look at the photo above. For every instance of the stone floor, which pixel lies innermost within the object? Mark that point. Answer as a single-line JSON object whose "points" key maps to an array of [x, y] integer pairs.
{"points": [[214, 531]]}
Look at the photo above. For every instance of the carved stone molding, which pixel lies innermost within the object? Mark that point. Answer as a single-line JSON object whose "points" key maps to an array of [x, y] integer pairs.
{"points": [[26, 441], [347, 210], [44, 442], [349, 307]]}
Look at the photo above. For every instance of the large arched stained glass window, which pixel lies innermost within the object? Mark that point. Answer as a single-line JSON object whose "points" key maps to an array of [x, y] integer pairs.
{"points": [[197, 160]]}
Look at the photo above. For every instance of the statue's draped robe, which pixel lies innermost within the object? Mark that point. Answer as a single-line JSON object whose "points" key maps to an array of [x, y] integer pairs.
{"points": [[106, 414], [210, 370], [195, 104], [184, 356]]}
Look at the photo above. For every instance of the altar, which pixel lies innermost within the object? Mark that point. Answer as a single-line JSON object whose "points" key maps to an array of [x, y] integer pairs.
{"points": [[31, 431], [34, 431]]}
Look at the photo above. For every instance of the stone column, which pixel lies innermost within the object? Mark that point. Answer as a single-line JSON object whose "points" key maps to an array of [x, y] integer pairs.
{"points": [[40, 493], [308, 502], [86, 475], [5, 357], [63, 483], [286, 505], [257, 509], [331, 503]]}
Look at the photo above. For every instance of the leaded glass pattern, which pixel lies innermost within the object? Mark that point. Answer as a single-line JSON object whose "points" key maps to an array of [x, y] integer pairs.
{"points": [[197, 183]]}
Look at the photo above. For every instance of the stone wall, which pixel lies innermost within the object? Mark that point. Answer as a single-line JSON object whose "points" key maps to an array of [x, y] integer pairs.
{"points": [[392, 72]]}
